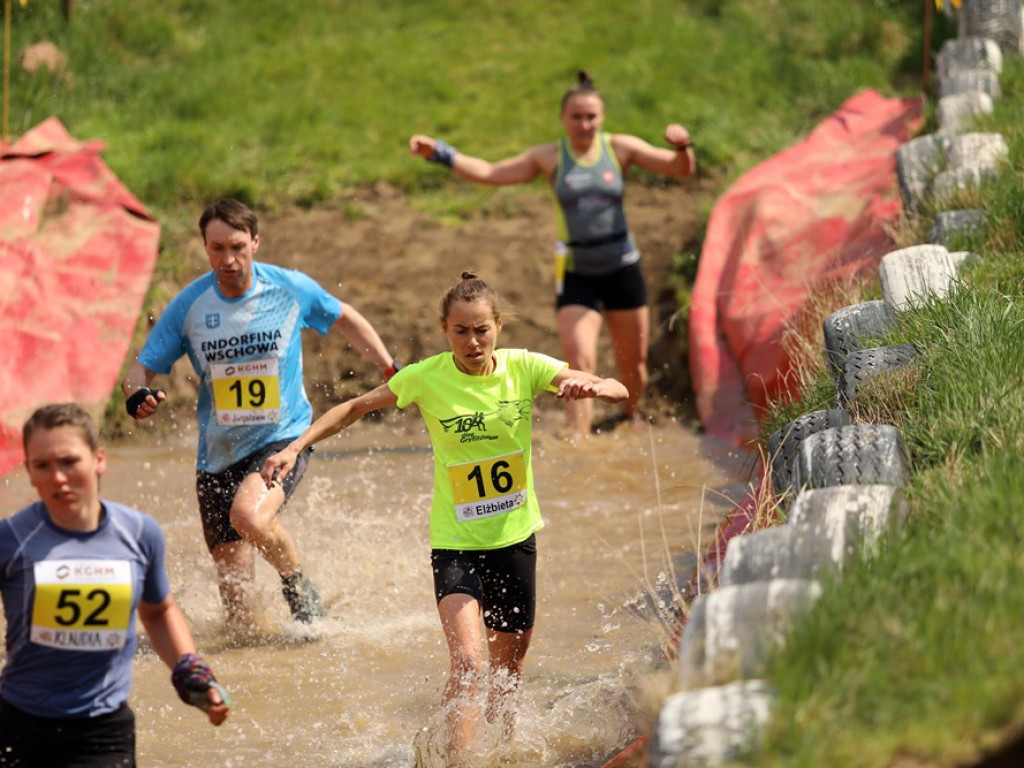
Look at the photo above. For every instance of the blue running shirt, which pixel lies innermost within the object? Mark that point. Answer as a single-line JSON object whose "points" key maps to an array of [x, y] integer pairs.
{"points": [[70, 601], [247, 353]]}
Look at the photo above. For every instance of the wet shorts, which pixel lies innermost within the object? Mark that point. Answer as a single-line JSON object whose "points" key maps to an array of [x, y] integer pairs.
{"points": [[503, 581], [622, 289], [104, 741], [216, 492]]}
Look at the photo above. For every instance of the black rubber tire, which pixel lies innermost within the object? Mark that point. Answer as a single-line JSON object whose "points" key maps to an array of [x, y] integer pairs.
{"points": [[998, 20], [784, 443], [950, 223], [690, 651], [961, 54], [865, 364], [858, 454], [983, 81], [859, 516], [917, 163], [846, 328]]}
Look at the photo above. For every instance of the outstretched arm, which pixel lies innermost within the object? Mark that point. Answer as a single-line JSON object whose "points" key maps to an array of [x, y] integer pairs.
{"points": [[331, 423], [522, 168], [364, 338], [579, 385], [679, 161], [169, 635]]}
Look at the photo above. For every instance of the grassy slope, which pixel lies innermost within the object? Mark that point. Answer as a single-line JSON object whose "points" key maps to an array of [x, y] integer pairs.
{"points": [[912, 656], [284, 102]]}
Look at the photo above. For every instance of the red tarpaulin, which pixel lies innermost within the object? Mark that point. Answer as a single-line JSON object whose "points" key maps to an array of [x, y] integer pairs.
{"points": [[813, 214], [77, 250]]}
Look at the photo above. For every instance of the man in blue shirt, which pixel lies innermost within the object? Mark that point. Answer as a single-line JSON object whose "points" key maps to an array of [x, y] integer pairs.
{"points": [[240, 326]]}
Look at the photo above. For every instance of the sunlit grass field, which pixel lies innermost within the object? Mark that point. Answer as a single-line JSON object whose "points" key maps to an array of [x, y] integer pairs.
{"points": [[290, 102]]}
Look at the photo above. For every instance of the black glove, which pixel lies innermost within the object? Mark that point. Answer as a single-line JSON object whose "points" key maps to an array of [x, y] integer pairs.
{"points": [[138, 398], [192, 678]]}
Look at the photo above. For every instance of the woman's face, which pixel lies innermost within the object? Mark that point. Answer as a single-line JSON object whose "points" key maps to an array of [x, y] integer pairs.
{"points": [[472, 332], [583, 117], [65, 472]]}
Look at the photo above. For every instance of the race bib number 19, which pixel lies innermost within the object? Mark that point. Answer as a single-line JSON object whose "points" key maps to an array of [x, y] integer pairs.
{"points": [[247, 393], [82, 605], [488, 488]]}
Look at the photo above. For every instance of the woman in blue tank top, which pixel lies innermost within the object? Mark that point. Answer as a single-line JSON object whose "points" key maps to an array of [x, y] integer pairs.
{"points": [[597, 263]]}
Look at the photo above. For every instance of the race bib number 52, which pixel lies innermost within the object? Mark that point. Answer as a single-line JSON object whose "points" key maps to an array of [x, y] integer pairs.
{"points": [[489, 487], [82, 605]]}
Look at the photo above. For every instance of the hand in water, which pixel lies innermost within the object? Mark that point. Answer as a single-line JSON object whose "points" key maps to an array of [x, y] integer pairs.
{"points": [[217, 711]]}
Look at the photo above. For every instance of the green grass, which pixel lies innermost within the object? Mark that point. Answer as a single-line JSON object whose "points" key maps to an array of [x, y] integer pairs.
{"points": [[911, 652], [286, 103], [913, 655]]}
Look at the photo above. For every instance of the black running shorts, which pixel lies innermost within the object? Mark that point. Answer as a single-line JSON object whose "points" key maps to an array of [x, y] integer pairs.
{"points": [[503, 581], [622, 289], [216, 492], [104, 741]]}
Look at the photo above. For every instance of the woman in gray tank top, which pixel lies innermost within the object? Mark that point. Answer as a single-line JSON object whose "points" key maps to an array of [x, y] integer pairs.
{"points": [[597, 269]]}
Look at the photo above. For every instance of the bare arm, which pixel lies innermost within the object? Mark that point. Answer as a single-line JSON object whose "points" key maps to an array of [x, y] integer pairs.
{"points": [[679, 161], [331, 423], [167, 630], [170, 637], [522, 168], [579, 385], [139, 377], [363, 337]]}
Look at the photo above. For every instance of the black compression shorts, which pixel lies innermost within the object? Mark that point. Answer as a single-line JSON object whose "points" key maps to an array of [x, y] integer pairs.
{"points": [[622, 289], [27, 741], [503, 581], [216, 492]]}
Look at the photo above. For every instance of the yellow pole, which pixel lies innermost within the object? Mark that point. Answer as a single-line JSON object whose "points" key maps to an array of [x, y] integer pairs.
{"points": [[926, 73], [7, 62]]}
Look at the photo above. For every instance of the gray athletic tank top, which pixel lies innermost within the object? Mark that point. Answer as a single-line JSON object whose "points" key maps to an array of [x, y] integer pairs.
{"points": [[592, 222]]}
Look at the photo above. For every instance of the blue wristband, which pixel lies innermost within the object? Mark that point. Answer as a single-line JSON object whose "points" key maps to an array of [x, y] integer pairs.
{"points": [[444, 154]]}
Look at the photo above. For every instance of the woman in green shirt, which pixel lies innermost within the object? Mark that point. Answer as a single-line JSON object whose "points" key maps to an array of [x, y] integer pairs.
{"points": [[476, 401]]}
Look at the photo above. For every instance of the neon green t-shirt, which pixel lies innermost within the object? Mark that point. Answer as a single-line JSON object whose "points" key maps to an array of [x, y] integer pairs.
{"points": [[480, 429]]}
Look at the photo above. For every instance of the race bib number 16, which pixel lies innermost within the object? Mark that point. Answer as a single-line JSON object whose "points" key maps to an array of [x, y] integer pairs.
{"points": [[489, 487], [82, 605]]}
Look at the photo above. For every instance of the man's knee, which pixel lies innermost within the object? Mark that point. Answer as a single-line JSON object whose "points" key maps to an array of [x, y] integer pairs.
{"points": [[246, 520]]}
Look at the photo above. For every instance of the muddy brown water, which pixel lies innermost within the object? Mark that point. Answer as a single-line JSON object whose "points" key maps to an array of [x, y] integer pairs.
{"points": [[625, 512]]}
